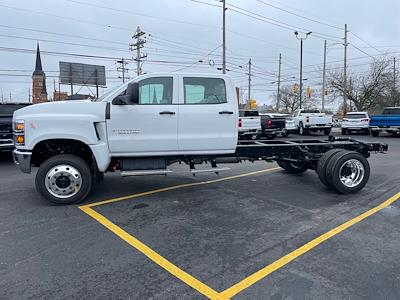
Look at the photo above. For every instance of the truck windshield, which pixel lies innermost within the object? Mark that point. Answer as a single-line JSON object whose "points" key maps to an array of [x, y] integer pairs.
{"points": [[391, 111], [109, 92]]}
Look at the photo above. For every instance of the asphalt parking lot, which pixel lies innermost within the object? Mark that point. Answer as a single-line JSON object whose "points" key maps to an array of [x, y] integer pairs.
{"points": [[253, 232]]}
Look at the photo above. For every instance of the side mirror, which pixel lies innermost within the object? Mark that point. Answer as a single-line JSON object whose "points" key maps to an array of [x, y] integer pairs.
{"points": [[120, 100], [131, 96]]}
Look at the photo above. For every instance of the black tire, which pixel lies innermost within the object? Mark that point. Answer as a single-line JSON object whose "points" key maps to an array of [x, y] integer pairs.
{"points": [[271, 136], [327, 131], [285, 134], [375, 133], [344, 131], [70, 160], [292, 168], [323, 162], [302, 130], [336, 165]]}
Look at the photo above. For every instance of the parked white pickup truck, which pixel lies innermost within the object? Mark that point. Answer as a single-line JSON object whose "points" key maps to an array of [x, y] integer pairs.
{"points": [[155, 120], [312, 120], [249, 123]]}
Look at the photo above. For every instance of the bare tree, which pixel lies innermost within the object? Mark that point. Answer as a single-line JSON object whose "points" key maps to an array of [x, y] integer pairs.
{"points": [[290, 101], [369, 91]]}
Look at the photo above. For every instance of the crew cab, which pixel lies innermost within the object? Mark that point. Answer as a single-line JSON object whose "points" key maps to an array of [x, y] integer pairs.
{"points": [[249, 124], [155, 120], [312, 120], [388, 121], [355, 121], [6, 131]]}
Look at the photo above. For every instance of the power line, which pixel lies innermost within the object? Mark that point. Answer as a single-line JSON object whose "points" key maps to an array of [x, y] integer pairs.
{"points": [[300, 16], [365, 42]]}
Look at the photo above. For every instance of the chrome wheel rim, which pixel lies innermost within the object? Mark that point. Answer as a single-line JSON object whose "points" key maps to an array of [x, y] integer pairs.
{"points": [[351, 173], [63, 181]]}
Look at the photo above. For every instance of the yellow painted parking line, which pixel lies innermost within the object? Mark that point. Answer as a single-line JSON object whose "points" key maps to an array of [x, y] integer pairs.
{"points": [[252, 279], [180, 186], [147, 251], [154, 256]]}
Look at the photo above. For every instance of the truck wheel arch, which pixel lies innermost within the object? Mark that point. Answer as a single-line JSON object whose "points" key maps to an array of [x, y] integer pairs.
{"points": [[46, 149]]}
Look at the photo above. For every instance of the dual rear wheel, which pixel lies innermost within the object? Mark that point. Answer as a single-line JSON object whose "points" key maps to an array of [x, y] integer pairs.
{"points": [[341, 170]]}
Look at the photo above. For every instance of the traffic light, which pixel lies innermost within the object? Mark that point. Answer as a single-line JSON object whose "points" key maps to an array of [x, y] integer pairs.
{"points": [[295, 88], [309, 92], [252, 104]]}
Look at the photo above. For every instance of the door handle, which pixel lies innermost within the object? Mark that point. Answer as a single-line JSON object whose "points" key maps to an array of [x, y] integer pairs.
{"points": [[226, 112], [167, 112]]}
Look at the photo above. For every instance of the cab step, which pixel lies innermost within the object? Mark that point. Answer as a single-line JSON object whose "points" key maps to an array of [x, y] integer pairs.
{"points": [[145, 172], [212, 170]]}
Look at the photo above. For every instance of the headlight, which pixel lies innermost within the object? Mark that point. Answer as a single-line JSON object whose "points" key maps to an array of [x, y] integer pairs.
{"points": [[19, 126], [19, 132]]}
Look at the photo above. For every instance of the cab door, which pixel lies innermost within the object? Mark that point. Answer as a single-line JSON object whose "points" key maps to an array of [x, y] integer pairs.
{"points": [[207, 115], [149, 127]]}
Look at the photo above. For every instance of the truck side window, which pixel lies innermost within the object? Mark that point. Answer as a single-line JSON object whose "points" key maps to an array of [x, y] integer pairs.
{"points": [[204, 90], [156, 90]]}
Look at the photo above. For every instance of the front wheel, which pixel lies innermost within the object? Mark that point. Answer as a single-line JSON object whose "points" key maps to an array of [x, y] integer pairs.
{"points": [[302, 131], [64, 179]]}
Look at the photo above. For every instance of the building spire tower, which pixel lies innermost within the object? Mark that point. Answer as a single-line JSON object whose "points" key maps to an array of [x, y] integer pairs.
{"points": [[39, 91]]}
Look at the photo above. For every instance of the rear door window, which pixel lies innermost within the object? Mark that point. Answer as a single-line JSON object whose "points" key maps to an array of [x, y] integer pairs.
{"points": [[198, 90]]}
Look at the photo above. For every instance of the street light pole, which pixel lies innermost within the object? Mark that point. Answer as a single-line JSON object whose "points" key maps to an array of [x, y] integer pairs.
{"points": [[296, 33], [223, 38]]}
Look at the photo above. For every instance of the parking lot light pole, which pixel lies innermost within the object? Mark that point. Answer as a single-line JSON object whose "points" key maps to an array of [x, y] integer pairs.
{"points": [[296, 33]]}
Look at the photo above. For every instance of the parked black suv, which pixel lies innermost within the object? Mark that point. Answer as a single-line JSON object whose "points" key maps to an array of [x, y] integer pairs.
{"points": [[6, 130]]}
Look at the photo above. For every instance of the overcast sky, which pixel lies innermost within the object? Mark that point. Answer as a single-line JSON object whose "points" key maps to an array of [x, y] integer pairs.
{"points": [[180, 32]]}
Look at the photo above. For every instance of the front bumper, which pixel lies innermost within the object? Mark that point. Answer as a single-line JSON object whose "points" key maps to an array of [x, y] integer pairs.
{"points": [[23, 160]]}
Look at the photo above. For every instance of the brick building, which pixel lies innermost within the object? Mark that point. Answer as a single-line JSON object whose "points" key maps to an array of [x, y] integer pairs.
{"points": [[39, 91]]}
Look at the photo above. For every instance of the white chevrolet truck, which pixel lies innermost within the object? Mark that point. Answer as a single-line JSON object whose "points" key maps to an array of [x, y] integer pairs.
{"points": [[155, 120]]}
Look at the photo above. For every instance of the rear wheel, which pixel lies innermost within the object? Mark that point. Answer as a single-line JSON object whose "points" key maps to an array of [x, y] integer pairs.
{"points": [[271, 136], [285, 134], [347, 172], [293, 168], [301, 129], [327, 131], [375, 133], [64, 179], [323, 162], [344, 131]]}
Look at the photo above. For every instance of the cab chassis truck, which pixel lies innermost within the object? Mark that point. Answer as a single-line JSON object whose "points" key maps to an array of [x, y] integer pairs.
{"points": [[155, 120]]}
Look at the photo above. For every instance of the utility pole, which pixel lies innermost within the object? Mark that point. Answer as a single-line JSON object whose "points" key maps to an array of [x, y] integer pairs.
{"points": [[2, 96], [139, 44], [394, 74], [10, 97], [223, 38], [324, 79], [345, 71], [121, 68], [249, 91], [278, 92], [29, 95]]}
